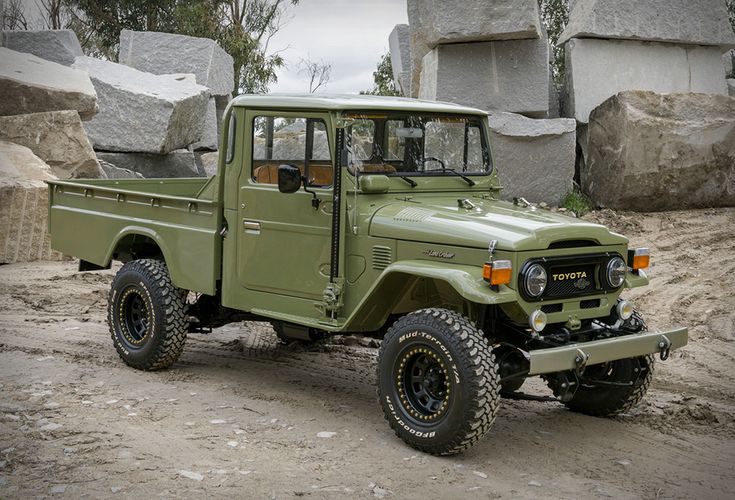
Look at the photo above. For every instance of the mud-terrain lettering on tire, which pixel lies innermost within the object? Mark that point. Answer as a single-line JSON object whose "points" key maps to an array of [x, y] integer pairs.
{"points": [[438, 381]]}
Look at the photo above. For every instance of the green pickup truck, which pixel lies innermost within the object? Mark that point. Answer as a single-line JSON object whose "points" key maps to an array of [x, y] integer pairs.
{"points": [[378, 216]]}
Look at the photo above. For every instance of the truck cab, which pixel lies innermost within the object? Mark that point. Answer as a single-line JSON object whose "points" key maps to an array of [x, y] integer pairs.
{"points": [[377, 216]]}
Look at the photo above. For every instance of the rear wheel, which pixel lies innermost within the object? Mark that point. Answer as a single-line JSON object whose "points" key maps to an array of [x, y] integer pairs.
{"points": [[147, 315], [438, 382], [611, 388]]}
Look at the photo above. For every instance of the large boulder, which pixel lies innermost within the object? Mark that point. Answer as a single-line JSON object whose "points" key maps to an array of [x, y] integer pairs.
{"points": [[181, 163], [143, 112], [115, 172], [453, 21], [164, 53], [505, 76], [29, 84], [58, 138], [649, 151], [695, 22], [23, 206], [207, 163], [400, 57], [534, 158], [59, 46], [210, 135], [598, 69]]}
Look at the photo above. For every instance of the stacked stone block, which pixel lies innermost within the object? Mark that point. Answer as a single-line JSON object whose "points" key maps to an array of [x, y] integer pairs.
{"points": [[494, 55], [671, 48]]}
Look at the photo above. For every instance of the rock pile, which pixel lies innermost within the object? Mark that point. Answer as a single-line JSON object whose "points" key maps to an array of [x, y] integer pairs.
{"points": [[23, 205], [492, 55], [59, 46], [143, 112], [663, 46], [60, 111]]}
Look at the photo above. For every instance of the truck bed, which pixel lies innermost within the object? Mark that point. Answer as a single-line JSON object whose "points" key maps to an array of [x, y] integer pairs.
{"points": [[91, 218]]}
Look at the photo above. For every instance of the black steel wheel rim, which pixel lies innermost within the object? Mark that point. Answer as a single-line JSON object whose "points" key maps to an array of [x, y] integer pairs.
{"points": [[136, 317], [423, 384]]}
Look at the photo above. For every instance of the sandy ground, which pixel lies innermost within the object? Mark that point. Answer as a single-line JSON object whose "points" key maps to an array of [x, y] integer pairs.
{"points": [[239, 415]]}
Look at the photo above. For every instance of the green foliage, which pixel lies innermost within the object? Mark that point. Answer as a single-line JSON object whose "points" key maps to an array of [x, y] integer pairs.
{"points": [[577, 202], [555, 16], [241, 27], [383, 83]]}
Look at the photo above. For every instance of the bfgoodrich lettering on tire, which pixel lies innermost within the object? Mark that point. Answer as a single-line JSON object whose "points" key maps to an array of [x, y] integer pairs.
{"points": [[147, 315], [438, 381]]}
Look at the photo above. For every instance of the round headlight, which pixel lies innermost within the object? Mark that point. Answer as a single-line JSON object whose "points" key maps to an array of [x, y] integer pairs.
{"points": [[535, 280], [616, 270]]}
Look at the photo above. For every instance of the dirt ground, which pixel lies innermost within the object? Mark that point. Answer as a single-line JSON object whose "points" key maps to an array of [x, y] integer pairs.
{"points": [[239, 415]]}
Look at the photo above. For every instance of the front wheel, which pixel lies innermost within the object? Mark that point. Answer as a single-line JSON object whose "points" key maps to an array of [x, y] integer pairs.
{"points": [[147, 315], [438, 381], [611, 388]]}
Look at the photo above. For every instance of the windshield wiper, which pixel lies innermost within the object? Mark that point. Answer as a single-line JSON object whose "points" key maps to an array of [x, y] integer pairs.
{"points": [[409, 180], [467, 179]]}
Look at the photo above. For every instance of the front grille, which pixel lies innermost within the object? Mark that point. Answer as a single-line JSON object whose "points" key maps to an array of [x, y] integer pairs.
{"points": [[589, 304], [570, 276], [565, 281], [552, 308]]}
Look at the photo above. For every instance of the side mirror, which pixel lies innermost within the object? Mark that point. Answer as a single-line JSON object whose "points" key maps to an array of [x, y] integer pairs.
{"points": [[289, 178]]}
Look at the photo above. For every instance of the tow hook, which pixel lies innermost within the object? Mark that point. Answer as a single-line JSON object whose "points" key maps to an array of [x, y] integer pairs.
{"points": [[664, 346], [580, 362]]}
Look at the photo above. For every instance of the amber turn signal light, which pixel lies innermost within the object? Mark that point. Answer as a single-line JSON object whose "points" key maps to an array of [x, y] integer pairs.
{"points": [[497, 272], [639, 258]]}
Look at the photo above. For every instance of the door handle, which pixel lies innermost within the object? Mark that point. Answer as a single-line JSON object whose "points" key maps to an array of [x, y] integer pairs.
{"points": [[252, 225]]}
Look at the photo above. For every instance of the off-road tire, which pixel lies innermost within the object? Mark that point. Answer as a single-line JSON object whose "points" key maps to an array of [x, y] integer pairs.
{"points": [[606, 401], [147, 315], [468, 370]]}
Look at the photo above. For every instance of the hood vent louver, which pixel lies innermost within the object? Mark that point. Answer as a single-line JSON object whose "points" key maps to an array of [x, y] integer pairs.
{"points": [[411, 214], [382, 257], [572, 244]]}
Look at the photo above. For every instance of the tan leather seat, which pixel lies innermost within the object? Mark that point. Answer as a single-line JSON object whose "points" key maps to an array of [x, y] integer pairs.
{"points": [[319, 175]]}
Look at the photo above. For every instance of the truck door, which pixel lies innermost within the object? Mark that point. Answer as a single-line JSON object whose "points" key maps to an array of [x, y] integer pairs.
{"points": [[284, 239]]}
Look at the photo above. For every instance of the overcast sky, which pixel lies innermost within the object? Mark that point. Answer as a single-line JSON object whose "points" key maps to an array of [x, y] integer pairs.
{"points": [[351, 35]]}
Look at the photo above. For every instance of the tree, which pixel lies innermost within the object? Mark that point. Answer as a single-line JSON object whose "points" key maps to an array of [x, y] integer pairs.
{"points": [[12, 16], [242, 27], [318, 73], [383, 83], [555, 16], [53, 14]]}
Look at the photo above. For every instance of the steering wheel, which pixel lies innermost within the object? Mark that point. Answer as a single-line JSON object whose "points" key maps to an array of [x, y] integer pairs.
{"points": [[433, 158]]}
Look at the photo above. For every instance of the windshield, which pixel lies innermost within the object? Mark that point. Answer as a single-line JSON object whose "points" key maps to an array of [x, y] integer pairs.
{"points": [[417, 144]]}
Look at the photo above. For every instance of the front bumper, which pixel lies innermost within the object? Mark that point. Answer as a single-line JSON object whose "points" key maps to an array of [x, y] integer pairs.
{"points": [[577, 356]]}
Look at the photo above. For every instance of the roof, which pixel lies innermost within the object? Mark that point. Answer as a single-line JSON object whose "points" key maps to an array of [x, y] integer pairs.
{"points": [[337, 102]]}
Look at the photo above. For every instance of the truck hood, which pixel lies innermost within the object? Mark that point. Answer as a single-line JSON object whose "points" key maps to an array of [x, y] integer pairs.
{"points": [[443, 221]]}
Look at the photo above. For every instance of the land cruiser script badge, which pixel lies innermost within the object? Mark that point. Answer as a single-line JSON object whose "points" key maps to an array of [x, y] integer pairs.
{"points": [[437, 253]]}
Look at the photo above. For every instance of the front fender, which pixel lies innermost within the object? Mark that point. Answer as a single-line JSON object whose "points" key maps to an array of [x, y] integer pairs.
{"points": [[467, 281]]}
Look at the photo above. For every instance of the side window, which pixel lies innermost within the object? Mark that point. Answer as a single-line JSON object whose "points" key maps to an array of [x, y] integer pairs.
{"points": [[302, 142]]}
